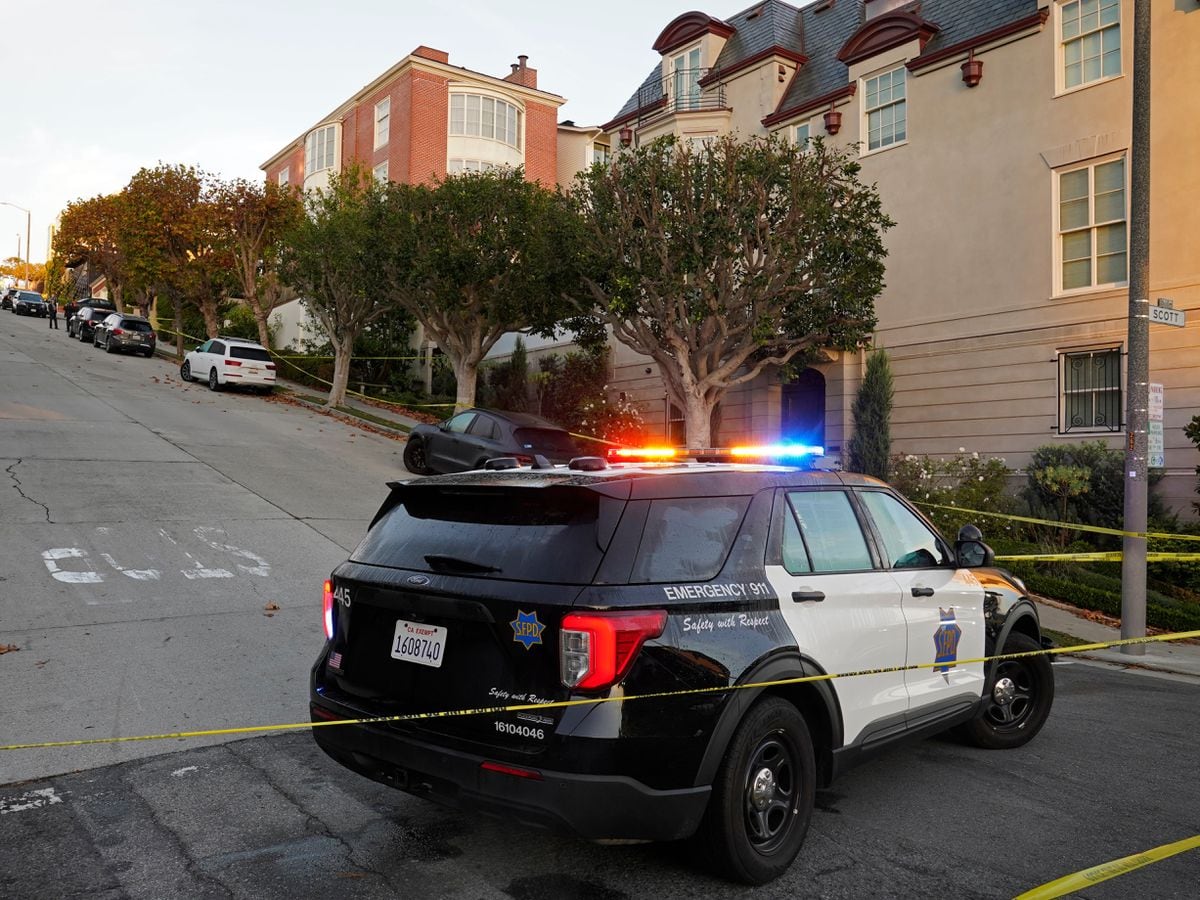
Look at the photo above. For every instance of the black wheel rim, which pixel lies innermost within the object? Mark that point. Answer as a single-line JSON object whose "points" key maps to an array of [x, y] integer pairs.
{"points": [[1011, 711], [770, 792], [417, 452]]}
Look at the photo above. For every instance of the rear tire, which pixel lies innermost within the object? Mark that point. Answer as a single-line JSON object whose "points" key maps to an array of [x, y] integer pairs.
{"points": [[415, 459], [1020, 694], [762, 797], [108, 345], [214, 383]]}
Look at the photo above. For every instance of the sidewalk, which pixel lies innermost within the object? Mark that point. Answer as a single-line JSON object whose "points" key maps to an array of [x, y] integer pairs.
{"points": [[399, 421], [1165, 656]]}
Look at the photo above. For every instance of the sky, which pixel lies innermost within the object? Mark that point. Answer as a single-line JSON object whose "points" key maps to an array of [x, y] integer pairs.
{"points": [[92, 91]]}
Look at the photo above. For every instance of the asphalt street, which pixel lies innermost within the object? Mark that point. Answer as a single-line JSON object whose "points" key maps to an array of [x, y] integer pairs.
{"points": [[145, 529]]}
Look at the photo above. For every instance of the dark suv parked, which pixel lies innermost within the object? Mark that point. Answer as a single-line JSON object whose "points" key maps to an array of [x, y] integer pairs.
{"points": [[30, 303], [83, 324], [121, 331], [594, 584]]}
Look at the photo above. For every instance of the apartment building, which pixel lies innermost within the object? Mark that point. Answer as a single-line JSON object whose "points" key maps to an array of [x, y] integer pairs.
{"points": [[998, 134]]}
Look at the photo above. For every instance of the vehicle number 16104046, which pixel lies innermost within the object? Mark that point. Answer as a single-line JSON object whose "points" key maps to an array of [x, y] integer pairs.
{"points": [[419, 643]]}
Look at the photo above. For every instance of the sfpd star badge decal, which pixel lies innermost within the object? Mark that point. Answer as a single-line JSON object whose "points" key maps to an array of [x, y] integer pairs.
{"points": [[527, 630], [945, 642]]}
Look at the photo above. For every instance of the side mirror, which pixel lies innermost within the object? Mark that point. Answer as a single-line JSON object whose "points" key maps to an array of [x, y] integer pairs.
{"points": [[973, 554]]}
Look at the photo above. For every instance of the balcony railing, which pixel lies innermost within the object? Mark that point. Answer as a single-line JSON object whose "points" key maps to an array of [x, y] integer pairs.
{"points": [[679, 92]]}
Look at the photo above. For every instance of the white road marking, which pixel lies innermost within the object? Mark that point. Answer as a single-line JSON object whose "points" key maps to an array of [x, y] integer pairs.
{"points": [[186, 770], [263, 568], [29, 800], [137, 574], [201, 571], [49, 557]]}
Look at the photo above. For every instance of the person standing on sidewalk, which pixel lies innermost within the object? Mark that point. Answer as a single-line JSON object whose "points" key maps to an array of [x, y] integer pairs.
{"points": [[54, 313]]}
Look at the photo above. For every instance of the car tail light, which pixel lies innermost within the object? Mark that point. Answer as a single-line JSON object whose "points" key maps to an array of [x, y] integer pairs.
{"points": [[271, 366], [233, 362], [514, 771], [327, 603], [118, 331], [597, 649]]}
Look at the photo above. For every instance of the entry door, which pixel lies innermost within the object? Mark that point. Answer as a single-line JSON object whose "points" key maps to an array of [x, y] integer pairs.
{"points": [[943, 606], [844, 613], [802, 416]]}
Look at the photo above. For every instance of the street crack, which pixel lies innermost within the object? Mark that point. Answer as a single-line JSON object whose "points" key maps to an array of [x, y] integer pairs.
{"points": [[20, 490]]}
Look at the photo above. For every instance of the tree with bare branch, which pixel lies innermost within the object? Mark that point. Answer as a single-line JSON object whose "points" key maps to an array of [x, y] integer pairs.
{"points": [[723, 261]]}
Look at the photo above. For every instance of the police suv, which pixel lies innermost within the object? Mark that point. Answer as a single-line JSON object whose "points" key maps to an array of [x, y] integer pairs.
{"points": [[645, 646]]}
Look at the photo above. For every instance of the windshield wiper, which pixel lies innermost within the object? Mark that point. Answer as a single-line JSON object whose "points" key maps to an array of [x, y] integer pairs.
{"points": [[440, 563]]}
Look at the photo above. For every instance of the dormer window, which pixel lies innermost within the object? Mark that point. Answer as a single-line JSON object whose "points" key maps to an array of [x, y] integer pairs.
{"points": [[685, 79]]}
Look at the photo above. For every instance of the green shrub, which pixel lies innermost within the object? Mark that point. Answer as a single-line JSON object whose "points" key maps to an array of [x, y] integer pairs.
{"points": [[1192, 432], [505, 385], [869, 445], [968, 481]]}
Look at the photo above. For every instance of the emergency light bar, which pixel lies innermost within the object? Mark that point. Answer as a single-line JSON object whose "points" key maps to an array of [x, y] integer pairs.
{"points": [[716, 454]]}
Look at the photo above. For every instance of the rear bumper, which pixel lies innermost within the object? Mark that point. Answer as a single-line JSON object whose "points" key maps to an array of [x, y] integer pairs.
{"points": [[592, 806]]}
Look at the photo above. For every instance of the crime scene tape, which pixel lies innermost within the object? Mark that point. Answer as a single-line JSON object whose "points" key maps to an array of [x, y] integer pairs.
{"points": [[1073, 526], [1093, 875], [595, 701], [1102, 556]]}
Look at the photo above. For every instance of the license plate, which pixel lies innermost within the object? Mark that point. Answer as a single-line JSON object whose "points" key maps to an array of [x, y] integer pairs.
{"points": [[252, 371], [419, 643]]}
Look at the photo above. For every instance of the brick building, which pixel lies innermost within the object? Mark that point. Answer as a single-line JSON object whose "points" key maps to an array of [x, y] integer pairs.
{"points": [[423, 119]]}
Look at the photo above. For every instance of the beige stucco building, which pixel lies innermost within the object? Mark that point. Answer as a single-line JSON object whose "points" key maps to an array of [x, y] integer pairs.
{"points": [[998, 133]]}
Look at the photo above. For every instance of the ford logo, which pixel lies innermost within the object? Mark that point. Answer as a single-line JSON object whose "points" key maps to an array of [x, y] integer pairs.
{"points": [[417, 579]]}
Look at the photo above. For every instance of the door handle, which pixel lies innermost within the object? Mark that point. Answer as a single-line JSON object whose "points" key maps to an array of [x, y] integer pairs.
{"points": [[802, 596], [922, 592]]}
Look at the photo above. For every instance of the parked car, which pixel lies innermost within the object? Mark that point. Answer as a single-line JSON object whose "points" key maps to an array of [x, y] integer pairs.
{"points": [[121, 331], [226, 361], [6, 298], [469, 439], [83, 324], [710, 593], [74, 306], [30, 303]]}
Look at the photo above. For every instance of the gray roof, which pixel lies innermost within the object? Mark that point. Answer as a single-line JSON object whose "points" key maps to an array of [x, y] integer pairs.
{"points": [[820, 35]]}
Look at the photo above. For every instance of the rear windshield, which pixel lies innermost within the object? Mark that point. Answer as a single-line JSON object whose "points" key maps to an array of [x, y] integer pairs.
{"points": [[143, 327], [523, 534], [688, 539], [250, 353], [545, 441]]}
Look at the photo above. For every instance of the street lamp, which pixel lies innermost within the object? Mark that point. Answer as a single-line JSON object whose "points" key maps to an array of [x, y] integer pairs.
{"points": [[28, 221]]}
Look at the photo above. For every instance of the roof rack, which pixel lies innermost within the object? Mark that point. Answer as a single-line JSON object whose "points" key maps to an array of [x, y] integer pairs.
{"points": [[230, 337]]}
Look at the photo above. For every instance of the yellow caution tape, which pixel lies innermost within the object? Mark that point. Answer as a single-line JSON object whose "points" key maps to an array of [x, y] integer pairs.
{"points": [[1101, 556], [1085, 878], [612, 698], [1073, 526]]}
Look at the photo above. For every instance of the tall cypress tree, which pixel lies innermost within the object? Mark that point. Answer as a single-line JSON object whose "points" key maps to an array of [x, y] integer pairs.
{"points": [[871, 442]]}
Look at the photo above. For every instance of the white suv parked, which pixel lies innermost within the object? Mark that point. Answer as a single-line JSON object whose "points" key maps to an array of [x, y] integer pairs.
{"points": [[225, 361]]}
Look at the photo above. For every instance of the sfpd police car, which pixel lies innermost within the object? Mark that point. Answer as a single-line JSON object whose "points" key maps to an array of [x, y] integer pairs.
{"points": [[659, 587]]}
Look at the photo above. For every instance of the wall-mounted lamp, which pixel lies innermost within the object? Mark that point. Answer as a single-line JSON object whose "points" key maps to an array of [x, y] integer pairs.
{"points": [[833, 120], [626, 135], [782, 73], [972, 70]]}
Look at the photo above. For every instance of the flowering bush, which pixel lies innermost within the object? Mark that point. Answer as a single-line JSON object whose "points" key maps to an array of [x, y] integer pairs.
{"points": [[965, 480]]}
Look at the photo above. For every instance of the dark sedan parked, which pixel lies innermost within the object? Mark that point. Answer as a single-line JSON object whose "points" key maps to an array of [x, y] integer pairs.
{"points": [[83, 324], [30, 303], [469, 439], [120, 331]]}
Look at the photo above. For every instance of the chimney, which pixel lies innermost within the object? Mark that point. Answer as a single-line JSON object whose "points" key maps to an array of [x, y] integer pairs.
{"points": [[522, 74], [879, 7], [429, 53]]}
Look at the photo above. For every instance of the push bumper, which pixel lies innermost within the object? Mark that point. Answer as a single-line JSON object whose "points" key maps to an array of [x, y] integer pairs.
{"points": [[595, 807]]}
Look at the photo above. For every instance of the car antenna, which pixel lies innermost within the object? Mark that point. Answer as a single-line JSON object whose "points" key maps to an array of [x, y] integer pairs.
{"points": [[540, 462]]}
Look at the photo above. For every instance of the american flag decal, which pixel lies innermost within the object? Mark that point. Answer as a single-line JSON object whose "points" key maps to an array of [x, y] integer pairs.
{"points": [[335, 660]]}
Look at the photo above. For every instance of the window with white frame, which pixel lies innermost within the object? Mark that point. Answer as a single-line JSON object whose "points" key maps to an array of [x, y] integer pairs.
{"points": [[282, 178], [886, 109], [802, 136], [685, 77], [458, 166], [1091, 40], [383, 119], [1091, 390], [319, 149], [381, 172], [1091, 225], [601, 153], [474, 115]]}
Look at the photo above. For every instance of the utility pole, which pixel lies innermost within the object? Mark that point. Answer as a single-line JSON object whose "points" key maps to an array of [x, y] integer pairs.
{"points": [[1133, 559]]}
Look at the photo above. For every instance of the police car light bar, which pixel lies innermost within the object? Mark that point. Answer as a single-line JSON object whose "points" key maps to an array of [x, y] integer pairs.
{"points": [[715, 454]]}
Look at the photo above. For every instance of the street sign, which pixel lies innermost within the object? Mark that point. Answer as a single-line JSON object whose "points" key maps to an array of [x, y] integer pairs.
{"points": [[1155, 453], [1154, 409], [1165, 316]]}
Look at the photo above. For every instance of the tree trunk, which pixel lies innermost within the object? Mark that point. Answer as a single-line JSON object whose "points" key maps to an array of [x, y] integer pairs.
{"points": [[177, 307], [697, 419], [260, 319], [208, 309], [342, 352], [466, 374]]}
